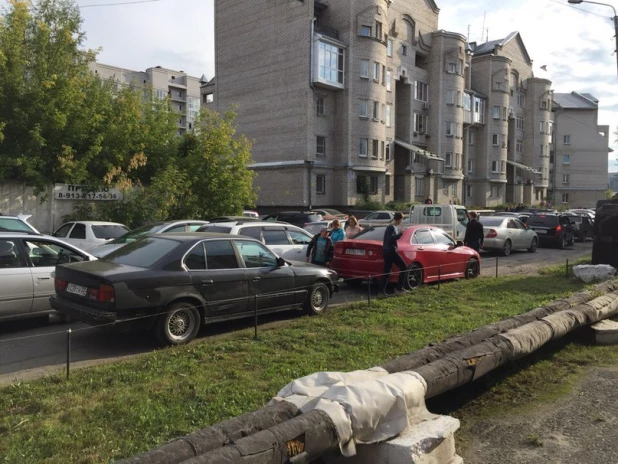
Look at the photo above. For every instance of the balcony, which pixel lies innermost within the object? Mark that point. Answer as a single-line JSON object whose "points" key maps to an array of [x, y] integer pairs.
{"points": [[328, 32]]}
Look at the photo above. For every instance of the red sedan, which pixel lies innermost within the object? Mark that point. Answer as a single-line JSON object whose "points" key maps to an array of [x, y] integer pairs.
{"points": [[429, 252]]}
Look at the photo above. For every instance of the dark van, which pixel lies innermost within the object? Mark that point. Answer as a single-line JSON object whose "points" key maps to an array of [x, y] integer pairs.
{"points": [[605, 246], [552, 229]]}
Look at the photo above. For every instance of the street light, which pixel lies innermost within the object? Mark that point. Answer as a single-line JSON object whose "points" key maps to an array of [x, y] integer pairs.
{"points": [[309, 164], [615, 18]]}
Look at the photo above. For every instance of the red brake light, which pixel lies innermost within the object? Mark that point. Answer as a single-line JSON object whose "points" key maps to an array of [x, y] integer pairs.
{"points": [[60, 285], [492, 234], [558, 229], [103, 294]]}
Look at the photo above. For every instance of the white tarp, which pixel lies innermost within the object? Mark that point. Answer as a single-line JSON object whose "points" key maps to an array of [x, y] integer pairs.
{"points": [[591, 273], [366, 406]]}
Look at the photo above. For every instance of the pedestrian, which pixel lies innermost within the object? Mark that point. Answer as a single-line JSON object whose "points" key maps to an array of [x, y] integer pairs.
{"points": [[428, 201], [474, 233], [353, 228], [391, 256], [320, 249], [336, 234]]}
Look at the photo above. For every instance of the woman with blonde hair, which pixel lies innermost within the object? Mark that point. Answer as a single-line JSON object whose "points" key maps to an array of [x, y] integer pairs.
{"points": [[336, 233], [353, 228]]}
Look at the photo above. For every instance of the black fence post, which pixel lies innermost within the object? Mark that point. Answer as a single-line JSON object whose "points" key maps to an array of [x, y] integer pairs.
{"points": [[496, 267], [368, 290], [68, 353], [439, 276], [567, 268], [255, 336]]}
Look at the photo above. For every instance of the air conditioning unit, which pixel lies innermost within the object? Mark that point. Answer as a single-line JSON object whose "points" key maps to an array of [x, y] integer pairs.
{"points": [[425, 106]]}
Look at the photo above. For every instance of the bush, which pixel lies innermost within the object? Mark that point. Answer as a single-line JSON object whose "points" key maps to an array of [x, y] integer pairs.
{"points": [[369, 205], [400, 206]]}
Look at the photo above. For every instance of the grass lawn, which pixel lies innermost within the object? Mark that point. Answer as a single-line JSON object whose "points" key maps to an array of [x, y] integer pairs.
{"points": [[115, 411]]}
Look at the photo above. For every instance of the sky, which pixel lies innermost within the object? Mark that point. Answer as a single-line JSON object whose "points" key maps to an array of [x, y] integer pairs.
{"points": [[575, 42]]}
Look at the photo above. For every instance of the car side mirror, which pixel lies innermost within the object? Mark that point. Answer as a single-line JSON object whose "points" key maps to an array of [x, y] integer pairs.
{"points": [[36, 252], [280, 262], [459, 243]]}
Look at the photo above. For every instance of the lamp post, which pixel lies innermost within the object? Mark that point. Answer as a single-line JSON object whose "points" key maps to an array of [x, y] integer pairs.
{"points": [[309, 164], [615, 18]]}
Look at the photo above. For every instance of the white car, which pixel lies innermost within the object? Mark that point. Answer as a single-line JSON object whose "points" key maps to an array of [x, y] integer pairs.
{"points": [[27, 262], [89, 234], [288, 241], [17, 223]]}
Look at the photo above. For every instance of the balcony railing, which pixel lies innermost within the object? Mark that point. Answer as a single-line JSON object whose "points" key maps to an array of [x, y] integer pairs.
{"points": [[328, 31]]}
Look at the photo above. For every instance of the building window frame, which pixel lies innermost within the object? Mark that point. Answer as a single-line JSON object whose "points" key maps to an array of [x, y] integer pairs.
{"points": [[375, 147], [566, 140], [320, 184], [363, 148], [366, 31], [364, 69], [320, 146], [448, 160], [363, 109], [320, 109], [566, 159], [421, 91], [566, 178]]}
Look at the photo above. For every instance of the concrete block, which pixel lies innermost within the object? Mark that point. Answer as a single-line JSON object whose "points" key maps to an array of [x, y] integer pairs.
{"points": [[605, 332], [428, 442]]}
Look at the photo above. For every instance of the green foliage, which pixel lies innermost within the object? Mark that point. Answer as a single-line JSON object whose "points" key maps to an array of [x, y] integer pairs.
{"points": [[371, 205], [400, 206], [609, 194]]}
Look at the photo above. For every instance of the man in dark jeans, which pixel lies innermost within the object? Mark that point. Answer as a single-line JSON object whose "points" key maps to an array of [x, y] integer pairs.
{"points": [[474, 233], [391, 255]]}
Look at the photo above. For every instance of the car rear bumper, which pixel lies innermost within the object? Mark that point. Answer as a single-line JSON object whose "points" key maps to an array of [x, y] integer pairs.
{"points": [[493, 243], [83, 314]]}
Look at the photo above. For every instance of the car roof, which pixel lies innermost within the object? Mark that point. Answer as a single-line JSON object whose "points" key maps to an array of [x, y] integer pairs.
{"points": [[188, 236], [95, 223], [251, 223]]}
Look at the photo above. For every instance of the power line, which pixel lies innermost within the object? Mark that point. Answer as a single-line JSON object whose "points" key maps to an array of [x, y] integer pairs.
{"points": [[580, 9], [117, 4]]}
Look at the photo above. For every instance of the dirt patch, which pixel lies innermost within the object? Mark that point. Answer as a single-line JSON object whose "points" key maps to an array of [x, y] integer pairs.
{"points": [[578, 428]]}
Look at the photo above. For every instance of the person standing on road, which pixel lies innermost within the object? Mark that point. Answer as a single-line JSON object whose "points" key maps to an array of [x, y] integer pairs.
{"points": [[391, 255], [320, 249], [353, 228], [337, 232], [474, 233]]}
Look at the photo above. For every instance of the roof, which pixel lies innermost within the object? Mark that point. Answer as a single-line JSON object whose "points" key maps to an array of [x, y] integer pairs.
{"points": [[188, 236], [96, 223], [490, 47], [574, 100]]}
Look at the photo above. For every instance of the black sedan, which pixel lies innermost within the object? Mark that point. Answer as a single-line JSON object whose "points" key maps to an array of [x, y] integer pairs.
{"points": [[173, 283]]}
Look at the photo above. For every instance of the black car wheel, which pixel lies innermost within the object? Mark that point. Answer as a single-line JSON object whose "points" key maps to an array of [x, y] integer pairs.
{"points": [[317, 299], [472, 269], [179, 325], [414, 276], [506, 250], [534, 245]]}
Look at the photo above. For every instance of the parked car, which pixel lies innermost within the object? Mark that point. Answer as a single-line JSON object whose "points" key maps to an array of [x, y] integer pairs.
{"points": [[172, 283], [315, 227], [89, 234], [232, 218], [507, 233], [552, 229], [17, 223], [451, 218], [27, 262], [297, 218], [285, 240], [429, 252], [251, 214], [329, 213], [377, 218], [148, 229], [583, 226]]}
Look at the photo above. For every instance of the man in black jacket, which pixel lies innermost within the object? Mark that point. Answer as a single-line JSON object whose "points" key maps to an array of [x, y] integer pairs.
{"points": [[391, 256], [474, 233]]}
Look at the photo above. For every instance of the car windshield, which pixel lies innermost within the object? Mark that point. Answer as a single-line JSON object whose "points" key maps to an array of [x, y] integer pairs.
{"points": [[372, 233], [492, 221], [577, 219], [108, 231], [14, 225], [142, 253], [549, 221], [139, 233]]}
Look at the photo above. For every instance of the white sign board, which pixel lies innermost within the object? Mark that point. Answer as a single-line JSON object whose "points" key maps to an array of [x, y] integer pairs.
{"points": [[86, 192]]}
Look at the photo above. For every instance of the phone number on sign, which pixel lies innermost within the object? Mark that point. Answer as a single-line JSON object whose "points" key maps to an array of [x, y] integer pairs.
{"points": [[86, 196]]}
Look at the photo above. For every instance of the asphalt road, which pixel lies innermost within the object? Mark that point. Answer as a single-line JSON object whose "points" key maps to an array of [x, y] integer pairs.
{"points": [[31, 349]]}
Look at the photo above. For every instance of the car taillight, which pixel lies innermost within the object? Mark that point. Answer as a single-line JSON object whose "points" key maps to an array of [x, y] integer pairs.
{"points": [[60, 285], [492, 233], [558, 229], [103, 294], [338, 250]]}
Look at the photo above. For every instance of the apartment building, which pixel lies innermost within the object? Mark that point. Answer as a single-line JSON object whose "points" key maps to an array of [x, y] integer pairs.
{"points": [[348, 98], [182, 89], [579, 171]]}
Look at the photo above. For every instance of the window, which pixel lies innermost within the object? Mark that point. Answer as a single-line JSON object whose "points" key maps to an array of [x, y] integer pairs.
{"points": [[362, 108], [275, 236], [419, 187], [374, 149], [495, 140], [565, 198], [521, 100], [373, 185], [376, 110], [361, 186], [494, 166], [566, 159], [541, 127], [422, 91], [471, 137], [457, 157], [422, 237], [79, 231], [253, 232], [566, 178], [496, 112], [450, 128], [404, 50], [320, 146], [503, 166], [44, 254], [209, 97], [450, 97], [467, 102], [383, 75], [366, 31], [62, 232], [220, 254], [376, 71], [378, 31], [299, 238], [520, 123], [364, 68], [448, 159], [387, 115], [196, 259], [388, 150], [389, 47], [319, 106], [420, 123], [479, 110], [495, 191], [454, 189], [469, 191], [543, 105], [519, 146], [387, 185], [460, 67], [567, 140], [388, 80], [320, 184], [451, 68], [331, 63], [382, 150], [364, 145], [470, 166], [256, 255], [504, 113]]}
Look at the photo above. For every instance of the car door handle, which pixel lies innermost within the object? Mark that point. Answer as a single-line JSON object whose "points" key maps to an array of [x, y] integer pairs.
{"points": [[420, 248], [256, 279], [43, 278], [208, 282]]}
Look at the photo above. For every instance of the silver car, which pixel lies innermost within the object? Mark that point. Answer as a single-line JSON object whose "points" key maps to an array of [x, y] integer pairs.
{"points": [[377, 218], [505, 233], [27, 262]]}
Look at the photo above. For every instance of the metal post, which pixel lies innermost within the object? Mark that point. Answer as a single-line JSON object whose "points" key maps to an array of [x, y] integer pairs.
{"points": [[368, 290], [68, 353], [439, 276], [255, 336], [567, 268], [496, 267]]}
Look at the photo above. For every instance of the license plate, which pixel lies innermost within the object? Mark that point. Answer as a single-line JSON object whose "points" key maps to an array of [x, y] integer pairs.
{"points": [[77, 289], [352, 251], [540, 231]]}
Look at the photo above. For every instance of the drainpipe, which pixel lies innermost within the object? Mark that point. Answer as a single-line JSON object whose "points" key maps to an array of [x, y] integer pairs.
{"points": [[311, 53], [555, 140]]}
